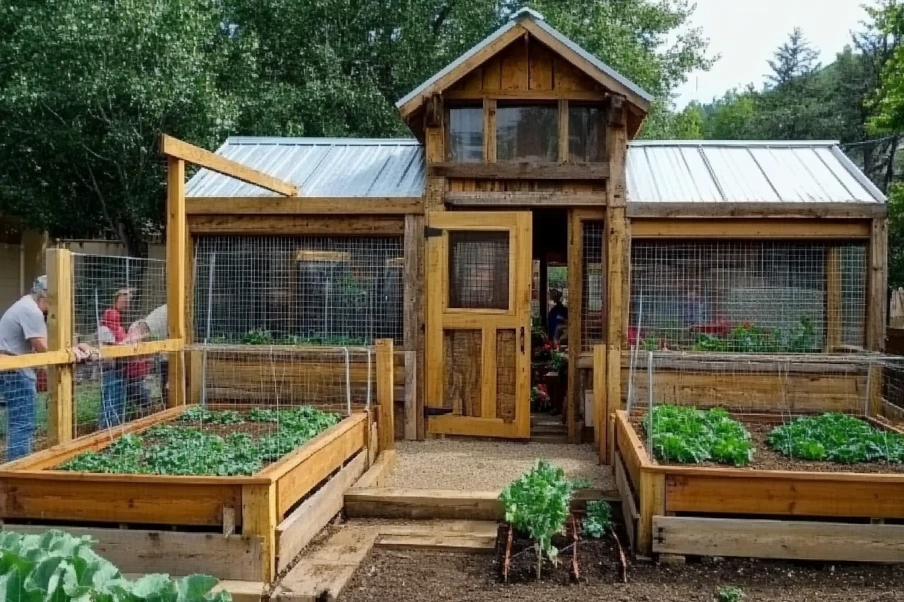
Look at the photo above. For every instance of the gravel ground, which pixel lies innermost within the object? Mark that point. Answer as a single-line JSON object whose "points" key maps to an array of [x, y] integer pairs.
{"points": [[488, 465], [413, 576]]}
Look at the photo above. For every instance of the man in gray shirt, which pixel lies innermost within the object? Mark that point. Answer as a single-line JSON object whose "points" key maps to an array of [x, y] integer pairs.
{"points": [[23, 330]]}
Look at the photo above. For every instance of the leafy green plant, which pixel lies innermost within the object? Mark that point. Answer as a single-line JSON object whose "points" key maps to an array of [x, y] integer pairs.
{"points": [[730, 594], [57, 567], [202, 414], [537, 505], [179, 449], [749, 338], [598, 519], [836, 438], [687, 435]]}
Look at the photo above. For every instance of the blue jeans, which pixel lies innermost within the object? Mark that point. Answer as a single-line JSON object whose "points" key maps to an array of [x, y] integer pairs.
{"points": [[113, 397], [19, 390]]}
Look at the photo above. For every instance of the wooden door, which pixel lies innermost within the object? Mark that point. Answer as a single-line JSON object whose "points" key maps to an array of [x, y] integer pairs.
{"points": [[478, 323]]}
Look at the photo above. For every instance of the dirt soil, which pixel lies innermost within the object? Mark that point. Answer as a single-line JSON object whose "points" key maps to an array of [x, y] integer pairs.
{"points": [[766, 458], [466, 465], [414, 576]]}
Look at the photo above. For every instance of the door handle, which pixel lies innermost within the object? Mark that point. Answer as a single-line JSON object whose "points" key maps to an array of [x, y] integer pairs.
{"points": [[522, 339]]}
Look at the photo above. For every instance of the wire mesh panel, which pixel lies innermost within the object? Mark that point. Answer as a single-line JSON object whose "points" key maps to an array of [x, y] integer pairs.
{"points": [[111, 392], [298, 290], [592, 329], [23, 426], [479, 270], [111, 293], [747, 296]]}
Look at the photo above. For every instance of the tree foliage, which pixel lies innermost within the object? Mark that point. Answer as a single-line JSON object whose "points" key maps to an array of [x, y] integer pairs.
{"points": [[86, 86]]}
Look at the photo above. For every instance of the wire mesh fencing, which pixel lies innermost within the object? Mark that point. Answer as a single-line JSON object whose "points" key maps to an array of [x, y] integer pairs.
{"points": [[748, 296], [111, 293], [298, 290], [764, 391]]}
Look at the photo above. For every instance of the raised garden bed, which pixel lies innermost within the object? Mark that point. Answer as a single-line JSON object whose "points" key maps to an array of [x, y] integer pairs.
{"points": [[222, 525], [799, 512]]}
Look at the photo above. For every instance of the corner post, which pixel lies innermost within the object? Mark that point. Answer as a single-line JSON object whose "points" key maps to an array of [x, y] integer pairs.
{"points": [[878, 281], [616, 247], [59, 338], [175, 274], [385, 384], [600, 413]]}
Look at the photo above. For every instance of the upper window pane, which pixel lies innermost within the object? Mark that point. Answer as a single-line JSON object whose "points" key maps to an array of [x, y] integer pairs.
{"points": [[466, 134], [584, 134], [479, 270], [527, 133]]}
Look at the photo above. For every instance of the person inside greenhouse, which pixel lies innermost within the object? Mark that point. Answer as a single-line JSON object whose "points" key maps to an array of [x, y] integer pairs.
{"points": [[557, 319], [23, 330], [153, 327]]}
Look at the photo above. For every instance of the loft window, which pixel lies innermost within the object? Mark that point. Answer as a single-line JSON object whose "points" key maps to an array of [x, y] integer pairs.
{"points": [[586, 138], [465, 134], [527, 133]]}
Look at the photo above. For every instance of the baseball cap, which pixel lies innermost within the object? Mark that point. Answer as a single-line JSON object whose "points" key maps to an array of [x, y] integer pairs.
{"points": [[40, 285]]}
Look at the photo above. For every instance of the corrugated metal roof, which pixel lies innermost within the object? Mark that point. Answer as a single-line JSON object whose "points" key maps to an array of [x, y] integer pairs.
{"points": [[744, 172], [320, 167], [540, 21], [657, 171]]}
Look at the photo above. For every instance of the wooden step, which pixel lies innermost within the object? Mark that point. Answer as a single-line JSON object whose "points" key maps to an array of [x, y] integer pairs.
{"points": [[554, 439], [548, 429]]}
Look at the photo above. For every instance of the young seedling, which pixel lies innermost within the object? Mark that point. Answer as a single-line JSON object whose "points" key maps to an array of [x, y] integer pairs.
{"points": [[598, 519], [730, 594]]}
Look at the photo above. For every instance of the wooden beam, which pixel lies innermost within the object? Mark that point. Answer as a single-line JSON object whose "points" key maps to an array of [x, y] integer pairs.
{"points": [[385, 394], [878, 285], [524, 170], [149, 348], [779, 539], [600, 416], [235, 557], [59, 338], [616, 254], [272, 205], [750, 228], [489, 131], [563, 131], [177, 149], [259, 519], [175, 274], [527, 95], [290, 225], [35, 360], [756, 210], [575, 302], [833, 298], [423, 504], [525, 199]]}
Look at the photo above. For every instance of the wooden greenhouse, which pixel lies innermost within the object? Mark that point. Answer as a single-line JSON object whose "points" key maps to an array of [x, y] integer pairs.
{"points": [[747, 275]]}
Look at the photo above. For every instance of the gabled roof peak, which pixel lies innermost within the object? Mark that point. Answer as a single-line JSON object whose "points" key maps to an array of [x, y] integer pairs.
{"points": [[527, 12]]}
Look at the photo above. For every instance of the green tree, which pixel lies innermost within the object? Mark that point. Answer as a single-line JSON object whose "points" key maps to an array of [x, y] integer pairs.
{"points": [[86, 86]]}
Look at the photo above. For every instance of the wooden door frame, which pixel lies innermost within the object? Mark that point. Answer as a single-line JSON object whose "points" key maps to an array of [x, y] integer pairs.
{"points": [[519, 225]]}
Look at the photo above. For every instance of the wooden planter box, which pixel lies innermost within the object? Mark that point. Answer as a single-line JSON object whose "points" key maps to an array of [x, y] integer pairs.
{"points": [[224, 526], [702, 511]]}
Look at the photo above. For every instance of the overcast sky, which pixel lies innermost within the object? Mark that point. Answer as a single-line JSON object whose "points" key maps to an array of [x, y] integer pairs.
{"points": [[746, 32]]}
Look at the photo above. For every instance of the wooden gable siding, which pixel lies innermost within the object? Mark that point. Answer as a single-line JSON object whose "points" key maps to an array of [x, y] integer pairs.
{"points": [[526, 69]]}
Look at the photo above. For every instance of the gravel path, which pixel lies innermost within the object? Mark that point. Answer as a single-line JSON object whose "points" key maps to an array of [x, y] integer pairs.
{"points": [[488, 465]]}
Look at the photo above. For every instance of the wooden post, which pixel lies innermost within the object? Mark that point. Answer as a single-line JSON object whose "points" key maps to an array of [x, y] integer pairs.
{"points": [[616, 249], [413, 321], [652, 503], [600, 416], [833, 298], [563, 132], [259, 517], [878, 281], [59, 338], [575, 301], [489, 130], [175, 274], [385, 384]]}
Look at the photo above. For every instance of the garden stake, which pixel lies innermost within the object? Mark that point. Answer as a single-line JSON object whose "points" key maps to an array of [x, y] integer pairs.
{"points": [[574, 556], [621, 557], [508, 554]]}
